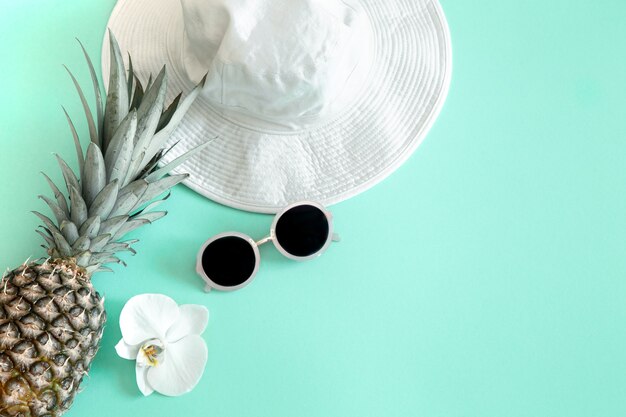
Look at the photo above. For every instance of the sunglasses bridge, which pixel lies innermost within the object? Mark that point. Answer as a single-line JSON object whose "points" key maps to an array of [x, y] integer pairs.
{"points": [[264, 240], [335, 238]]}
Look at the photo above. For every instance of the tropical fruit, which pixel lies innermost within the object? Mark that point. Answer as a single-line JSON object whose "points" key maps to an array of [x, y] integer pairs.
{"points": [[51, 316]]}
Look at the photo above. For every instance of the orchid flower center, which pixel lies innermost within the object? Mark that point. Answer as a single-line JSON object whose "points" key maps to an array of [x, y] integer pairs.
{"points": [[151, 353]]}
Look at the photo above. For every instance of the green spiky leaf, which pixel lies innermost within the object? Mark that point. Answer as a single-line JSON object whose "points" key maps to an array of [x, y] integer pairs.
{"points": [[58, 195], [82, 244], [117, 247], [113, 224], [93, 132], [117, 98], [79, 150], [130, 79], [97, 92], [151, 216], [169, 112], [148, 116], [91, 227], [57, 211], [128, 197], [68, 174], [137, 95], [78, 208], [69, 231], [60, 242], [48, 239], [166, 169], [94, 175], [83, 259], [98, 242], [128, 227], [104, 202], [158, 187], [120, 151], [152, 205], [113, 259], [161, 138]]}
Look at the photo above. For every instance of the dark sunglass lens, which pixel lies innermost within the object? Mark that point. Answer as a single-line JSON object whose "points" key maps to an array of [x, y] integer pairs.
{"points": [[229, 261], [302, 230]]}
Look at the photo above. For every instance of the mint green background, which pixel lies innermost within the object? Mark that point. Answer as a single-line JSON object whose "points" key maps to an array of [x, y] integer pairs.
{"points": [[486, 277]]}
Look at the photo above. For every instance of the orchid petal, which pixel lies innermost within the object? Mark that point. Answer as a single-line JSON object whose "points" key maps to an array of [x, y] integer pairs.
{"points": [[147, 316], [192, 319], [182, 368], [142, 380], [127, 351]]}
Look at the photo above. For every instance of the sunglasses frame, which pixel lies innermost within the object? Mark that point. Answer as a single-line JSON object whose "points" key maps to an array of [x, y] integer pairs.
{"points": [[210, 285]]}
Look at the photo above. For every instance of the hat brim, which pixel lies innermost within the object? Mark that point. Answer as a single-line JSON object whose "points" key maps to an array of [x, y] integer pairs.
{"points": [[334, 160]]}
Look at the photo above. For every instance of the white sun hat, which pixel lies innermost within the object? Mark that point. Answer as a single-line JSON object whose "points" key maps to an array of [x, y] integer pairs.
{"points": [[307, 99]]}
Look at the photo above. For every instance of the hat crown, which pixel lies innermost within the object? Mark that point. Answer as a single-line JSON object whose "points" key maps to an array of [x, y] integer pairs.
{"points": [[282, 61]]}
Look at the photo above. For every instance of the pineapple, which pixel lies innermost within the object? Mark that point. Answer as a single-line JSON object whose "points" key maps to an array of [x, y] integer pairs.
{"points": [[51, 317]]}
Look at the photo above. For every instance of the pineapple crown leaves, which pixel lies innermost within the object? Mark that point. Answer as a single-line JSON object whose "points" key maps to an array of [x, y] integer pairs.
{"points": [[120, 181]]}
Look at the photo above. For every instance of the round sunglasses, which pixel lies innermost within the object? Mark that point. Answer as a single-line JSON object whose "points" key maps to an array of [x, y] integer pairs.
{"points": [[230, 260]]}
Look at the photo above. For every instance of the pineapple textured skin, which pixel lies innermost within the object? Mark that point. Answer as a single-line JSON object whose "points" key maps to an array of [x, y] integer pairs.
{"points": [[51, 324]]}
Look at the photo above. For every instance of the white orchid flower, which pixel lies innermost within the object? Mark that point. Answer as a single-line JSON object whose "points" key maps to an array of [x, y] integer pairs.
{"points": [[165, 341]]}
